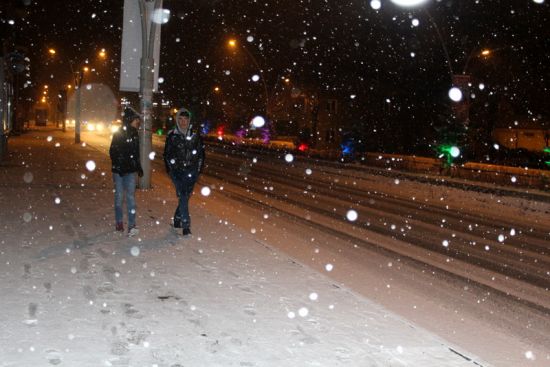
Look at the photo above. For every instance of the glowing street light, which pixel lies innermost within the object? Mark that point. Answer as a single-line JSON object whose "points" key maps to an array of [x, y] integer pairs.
{"points": [[485, 52], [408, 3], [232, 43], [77, 77], [102, 53]]}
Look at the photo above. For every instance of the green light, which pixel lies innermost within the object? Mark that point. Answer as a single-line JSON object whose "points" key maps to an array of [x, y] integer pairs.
{"points": [[160, 132], [546, 150]]}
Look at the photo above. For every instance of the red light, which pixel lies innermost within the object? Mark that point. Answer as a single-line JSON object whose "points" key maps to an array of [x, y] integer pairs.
{"points": [[220, 131], [303, 147]]}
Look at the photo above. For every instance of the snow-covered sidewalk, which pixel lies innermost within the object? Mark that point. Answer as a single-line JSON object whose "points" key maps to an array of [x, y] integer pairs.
{"points": [[75, 293]]}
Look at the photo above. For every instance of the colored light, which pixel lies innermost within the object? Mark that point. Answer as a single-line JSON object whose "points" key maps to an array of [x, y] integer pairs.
{"points": [[303, 147]]}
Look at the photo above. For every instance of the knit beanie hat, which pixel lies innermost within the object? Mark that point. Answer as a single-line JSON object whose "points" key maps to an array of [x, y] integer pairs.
{"points": [[129, 115]]}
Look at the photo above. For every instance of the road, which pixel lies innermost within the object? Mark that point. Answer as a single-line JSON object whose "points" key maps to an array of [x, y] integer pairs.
{"points": [[450, 260]]}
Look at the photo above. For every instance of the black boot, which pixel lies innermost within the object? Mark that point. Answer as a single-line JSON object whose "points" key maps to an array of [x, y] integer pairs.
{"points": [[186, 232], [177, 223]]}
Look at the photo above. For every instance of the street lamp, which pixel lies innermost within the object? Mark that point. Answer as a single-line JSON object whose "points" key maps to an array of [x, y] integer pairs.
{"points": [[77, 76], [233, 43], [460, 82], [408, 3]]}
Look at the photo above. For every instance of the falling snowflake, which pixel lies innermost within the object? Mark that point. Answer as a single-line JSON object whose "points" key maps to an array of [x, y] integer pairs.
{"points": [[375, 4], [258, 121], [28, 177], [205, 191], [90, 166], [455, 94], [27, 217], [351, 215]]}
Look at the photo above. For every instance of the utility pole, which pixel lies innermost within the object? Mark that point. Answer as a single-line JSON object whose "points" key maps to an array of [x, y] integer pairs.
{"points": [[139, 67], [77, 84], [146, 90], [4, 125]]}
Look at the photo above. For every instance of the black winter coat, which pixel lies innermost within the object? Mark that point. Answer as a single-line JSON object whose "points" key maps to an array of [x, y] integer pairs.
{"points": [[183, 153], [124, 151]]}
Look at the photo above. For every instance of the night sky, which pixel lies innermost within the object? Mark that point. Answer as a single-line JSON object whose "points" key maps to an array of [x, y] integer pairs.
{"points": [[388, 66]]}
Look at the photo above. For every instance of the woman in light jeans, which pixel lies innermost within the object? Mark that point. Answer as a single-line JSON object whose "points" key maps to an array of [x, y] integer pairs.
{"points": [[124, 153], [125, 186]]}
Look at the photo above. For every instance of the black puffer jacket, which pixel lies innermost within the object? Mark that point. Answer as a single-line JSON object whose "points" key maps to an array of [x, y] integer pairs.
{"points": [[124, 151], [184, 152]]}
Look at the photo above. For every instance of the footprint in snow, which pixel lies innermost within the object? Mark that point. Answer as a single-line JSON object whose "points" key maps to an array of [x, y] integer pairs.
{"points": [[53, 356], [120, 348]]}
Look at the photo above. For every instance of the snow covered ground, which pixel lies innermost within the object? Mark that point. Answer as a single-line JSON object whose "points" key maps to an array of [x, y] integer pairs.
{"points": [[75, 293]]}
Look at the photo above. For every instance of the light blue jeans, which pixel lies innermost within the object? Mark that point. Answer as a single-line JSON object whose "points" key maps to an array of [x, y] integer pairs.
{"points": [[125, 185]]}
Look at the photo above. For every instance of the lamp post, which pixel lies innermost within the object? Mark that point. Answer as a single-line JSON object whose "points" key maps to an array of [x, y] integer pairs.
{"points": [[77, 78], [146, 84], [460, 82], [233, 43]]}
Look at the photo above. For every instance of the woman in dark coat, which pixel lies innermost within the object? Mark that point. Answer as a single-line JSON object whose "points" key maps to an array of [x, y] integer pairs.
{"points": [[124, 153]]}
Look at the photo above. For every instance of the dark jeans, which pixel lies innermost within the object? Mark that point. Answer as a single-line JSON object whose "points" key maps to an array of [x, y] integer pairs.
{"points": [[184, 181]]}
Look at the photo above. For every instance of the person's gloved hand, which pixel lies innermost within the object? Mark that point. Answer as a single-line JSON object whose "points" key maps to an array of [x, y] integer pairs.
{"points": [[140, 172]]}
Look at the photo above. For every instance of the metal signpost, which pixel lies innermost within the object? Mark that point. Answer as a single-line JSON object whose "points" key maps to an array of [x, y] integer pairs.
{"points": [[139, 68]]}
